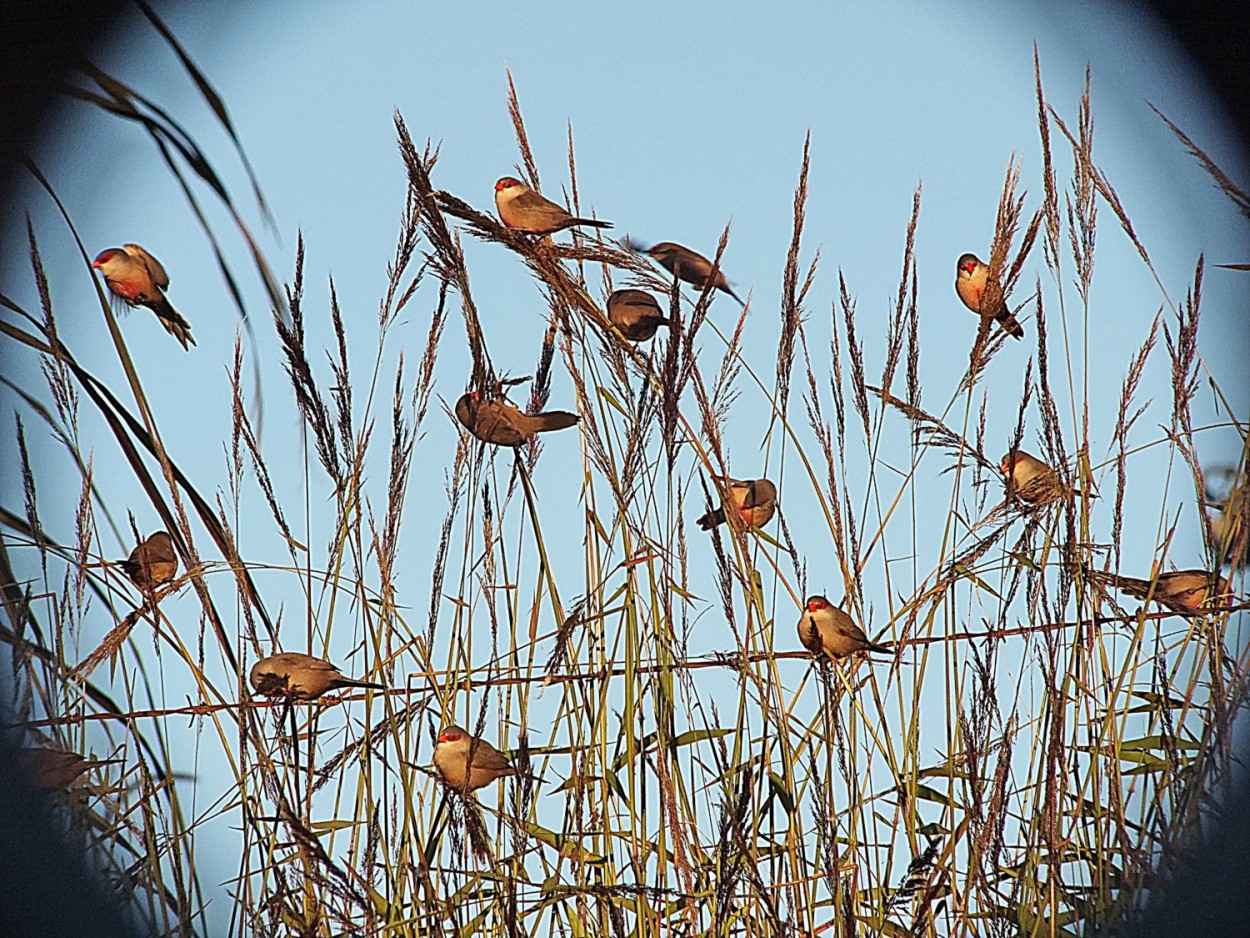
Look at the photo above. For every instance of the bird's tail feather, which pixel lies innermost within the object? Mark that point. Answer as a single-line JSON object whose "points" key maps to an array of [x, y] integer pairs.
{"points": [[557, 420], [712, 519], [175, 324]]}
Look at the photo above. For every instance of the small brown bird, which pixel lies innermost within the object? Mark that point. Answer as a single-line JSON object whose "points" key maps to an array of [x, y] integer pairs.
{"points": [[52, 770], [982, 297], [690, 266], [138, 279], [1226, 527], [754, 500], [451, 758], [153, 562], [825, 627], [502, 423], [1030, 479], [521, 207], [300, 677], [1180, 590], [636, 313]]}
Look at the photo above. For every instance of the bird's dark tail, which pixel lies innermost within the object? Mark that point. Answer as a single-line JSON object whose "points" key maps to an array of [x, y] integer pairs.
{"points": [[556, 420], [593, 222], [712, 519], [174, 322], [1008, 322]]}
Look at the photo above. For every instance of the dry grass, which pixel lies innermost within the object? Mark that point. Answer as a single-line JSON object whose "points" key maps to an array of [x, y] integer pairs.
{"points": [[1032, 760]]}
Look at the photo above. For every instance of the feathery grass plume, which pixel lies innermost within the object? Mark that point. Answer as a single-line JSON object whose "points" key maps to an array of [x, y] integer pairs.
{"points": [[1052, 426], [1124, 423], [1235, 194], [932, 431], [540, 391], [530, 173], [792, 295], [855, 349], [312, 406], [1082, 204], [904, 305], [1105, 189], [1050, 199]]}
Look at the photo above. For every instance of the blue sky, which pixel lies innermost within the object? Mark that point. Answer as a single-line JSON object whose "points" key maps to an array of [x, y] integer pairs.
{"points": [[684, 118]]}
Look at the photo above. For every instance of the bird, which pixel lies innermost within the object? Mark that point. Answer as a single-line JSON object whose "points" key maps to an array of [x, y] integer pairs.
{"points": [[521, 207], [153, 562], [300, 677], [1228, 520], [1180, 590], [452, 754], [1226, 525], [52, 770], [981, 296], [1030, 479], [502, 423], [138, 279], [689, 266], [754, 500], [636, 313], [824, 627]]}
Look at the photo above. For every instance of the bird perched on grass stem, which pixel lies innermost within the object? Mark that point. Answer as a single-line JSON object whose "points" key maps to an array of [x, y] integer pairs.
{"points": [[981, 296], [452, 756], [636, 313], [690, 266], [824, 627], [138, 279], [153, 562], [499, 422], [1031, 480], [521, 207], [1180, 590], [300, 677], [754, 501]]}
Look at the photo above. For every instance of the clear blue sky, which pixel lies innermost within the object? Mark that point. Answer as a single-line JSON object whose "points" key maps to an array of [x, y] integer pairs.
{"points": [[684, 117]]}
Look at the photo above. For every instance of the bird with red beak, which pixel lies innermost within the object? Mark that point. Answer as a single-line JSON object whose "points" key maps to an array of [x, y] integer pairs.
{"points": [[825, 628], [522, 208], [137, 278], [467, 762], [1031, 480], [984, 298]]}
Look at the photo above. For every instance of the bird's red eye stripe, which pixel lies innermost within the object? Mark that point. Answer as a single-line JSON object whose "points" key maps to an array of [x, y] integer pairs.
{"points": [[815, 605], [448, 737]]}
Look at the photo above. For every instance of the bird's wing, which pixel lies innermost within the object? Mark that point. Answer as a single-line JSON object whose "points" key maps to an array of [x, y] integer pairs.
{"points": [[532, 201], [511, 416], [486, 756], [155, 270]]}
